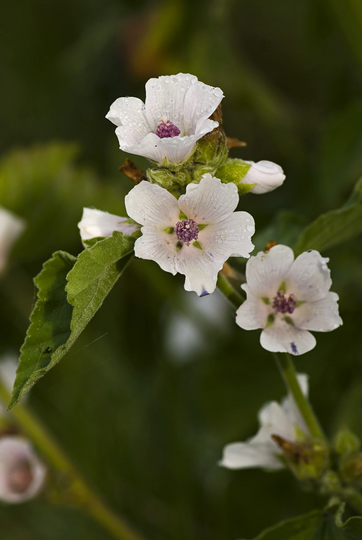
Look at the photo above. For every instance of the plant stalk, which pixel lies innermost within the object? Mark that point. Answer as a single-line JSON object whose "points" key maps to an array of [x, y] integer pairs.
{"points": [[88, 499]]}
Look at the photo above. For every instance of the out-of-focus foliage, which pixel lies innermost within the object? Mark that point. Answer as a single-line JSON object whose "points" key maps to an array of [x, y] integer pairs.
{"points": [[161, 380]]}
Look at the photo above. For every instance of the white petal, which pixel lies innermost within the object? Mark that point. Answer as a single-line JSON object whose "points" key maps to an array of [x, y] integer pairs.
{"points": [[200, 102], [8, 367], [176, 149], [309, 277], [95, 223], [247, 455], [321, 316], [165, 97], [150, 204], [129, 113], [210, 201], [14, 451], [11, 227], [200, 270], [266, 271], [150, 146], [159, 246], [253, 313], [283, 337], [230, 237], [266, 174], [274, 421]]}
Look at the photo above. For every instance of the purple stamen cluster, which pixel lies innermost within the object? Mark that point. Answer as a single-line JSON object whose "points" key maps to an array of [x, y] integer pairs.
{"points": [[186, 231], [167, 129], [283, 303]]}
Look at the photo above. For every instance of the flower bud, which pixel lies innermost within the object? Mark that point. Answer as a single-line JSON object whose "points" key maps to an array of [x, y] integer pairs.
{"points": [[266, 175], [346, 442], [11, 227], [235, 171], [22, 474]]}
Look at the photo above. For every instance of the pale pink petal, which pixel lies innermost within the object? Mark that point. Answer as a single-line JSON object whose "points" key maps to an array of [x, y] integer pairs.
{"points": [[266, 271], [95, 223], [283, 337], [253, 313], [229, 238], [129, 113], [150, 204], [210, 201], [200, 102], [309, 277], [158, 246], [199, 268], [320, 316]]}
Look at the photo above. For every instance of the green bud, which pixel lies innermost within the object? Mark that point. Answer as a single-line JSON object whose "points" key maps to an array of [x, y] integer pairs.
{"points": [[170, 180], [330, 483], [211, 150], [346, 442], [234, 170], [350, 467], [307, 459]]}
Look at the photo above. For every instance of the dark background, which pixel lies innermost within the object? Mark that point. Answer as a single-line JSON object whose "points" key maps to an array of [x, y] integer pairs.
{"points": [[162, 380]]}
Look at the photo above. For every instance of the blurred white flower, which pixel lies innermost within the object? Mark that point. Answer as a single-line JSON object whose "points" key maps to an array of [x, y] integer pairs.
{"points": [[174, 117], [261, 451], [95, 223], [22, 474], [266, 174], [11, 227], [288, 297], [8, 367], [193, 235]]}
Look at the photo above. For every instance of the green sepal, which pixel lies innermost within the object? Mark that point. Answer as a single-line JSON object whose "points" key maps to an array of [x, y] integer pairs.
{"points": [[169, 230], [170, 180], [282, 286], [70, 291], [346, 442], [270, 319], [196, 244], [289, 320], [211, 150], [201, 226], [266, 300], [234, 170], [323, 524], [182, 216]]}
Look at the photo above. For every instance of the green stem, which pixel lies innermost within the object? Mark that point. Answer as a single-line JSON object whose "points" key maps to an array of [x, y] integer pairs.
{"points": [[90, 501], [288, 373], [231, 294]]}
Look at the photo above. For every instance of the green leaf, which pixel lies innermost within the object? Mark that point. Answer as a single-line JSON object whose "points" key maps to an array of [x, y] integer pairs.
{"points": [[317, 525], [334, 227], [70, 293]]}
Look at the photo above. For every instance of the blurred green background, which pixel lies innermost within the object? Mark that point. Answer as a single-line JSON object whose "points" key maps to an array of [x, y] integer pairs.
{"points": [[161, 380]]}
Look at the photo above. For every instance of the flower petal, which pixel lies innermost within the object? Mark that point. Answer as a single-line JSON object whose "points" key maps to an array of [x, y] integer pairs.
{"points": [[230, 237], [266, 174], [129, 113], [210, 201], [253, 313], [274, 420], [201, 100], [200, 270], [11, 227], [290, 407], [248, 455], [283, 337], [309, 277], [158, 246], [177, 149], [266, 271], [96, 223], [150, 204], [321, 316], [165, 97]]}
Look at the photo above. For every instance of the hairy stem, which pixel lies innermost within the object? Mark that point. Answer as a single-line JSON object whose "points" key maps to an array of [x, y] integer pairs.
{"points": [[288, 373], [85, 495]]}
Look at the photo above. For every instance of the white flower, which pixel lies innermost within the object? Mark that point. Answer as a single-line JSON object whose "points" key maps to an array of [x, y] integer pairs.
{"points": [[22, 474], [287, 298], [274, 419], [95, 223], [174, 117], [11, 227], [266, 174], [193, 235], [8, 367]]}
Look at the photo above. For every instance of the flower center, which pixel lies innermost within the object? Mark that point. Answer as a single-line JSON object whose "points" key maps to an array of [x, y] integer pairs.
{"points": [[166, 129], [20, 477], [186, 231], [283, 303]]}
